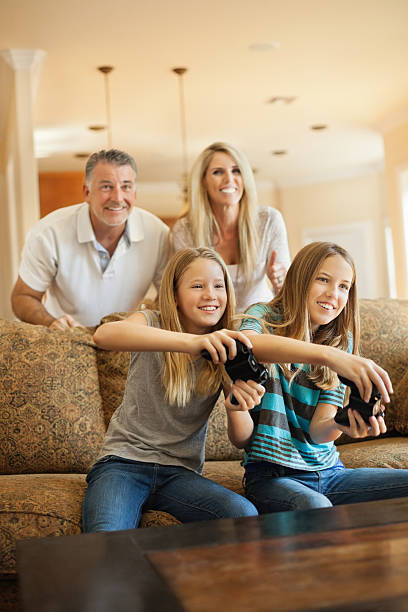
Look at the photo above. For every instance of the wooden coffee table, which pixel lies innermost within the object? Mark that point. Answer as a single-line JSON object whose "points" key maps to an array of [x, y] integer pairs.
{"points": [[352, 557]]}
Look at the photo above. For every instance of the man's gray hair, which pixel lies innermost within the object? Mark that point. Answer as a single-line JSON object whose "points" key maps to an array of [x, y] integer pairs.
{"points": [[110, 156]]}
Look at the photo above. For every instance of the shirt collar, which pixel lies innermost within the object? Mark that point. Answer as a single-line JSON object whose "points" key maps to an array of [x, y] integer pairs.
{"points": [[85, 233], [135, 226]]}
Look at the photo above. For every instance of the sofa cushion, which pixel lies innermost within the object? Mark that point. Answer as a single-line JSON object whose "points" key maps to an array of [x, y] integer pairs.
{"points": [[229, 474], [218, 447], [38, 506], [384, 338], [157, 518], [50, 408], [35, 506], [399, 410], [379, 452], [112, 369], [9, 596]]}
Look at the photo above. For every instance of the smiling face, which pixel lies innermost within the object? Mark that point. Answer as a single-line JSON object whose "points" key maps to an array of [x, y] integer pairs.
{"points": [[328, 293], [111, 195], [201, 296], [223, 181]]}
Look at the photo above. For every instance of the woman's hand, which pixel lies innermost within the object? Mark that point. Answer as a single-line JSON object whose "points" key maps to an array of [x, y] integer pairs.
{"points": [[363, 372], [248, 395], [276, 272], [220, 344], [358, 428]]}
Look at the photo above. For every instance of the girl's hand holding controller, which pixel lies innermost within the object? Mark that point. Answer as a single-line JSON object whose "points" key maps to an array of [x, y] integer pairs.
{"points": [[219, 346], [243, 367], [360, 419], [244, 395], [359, 428]]}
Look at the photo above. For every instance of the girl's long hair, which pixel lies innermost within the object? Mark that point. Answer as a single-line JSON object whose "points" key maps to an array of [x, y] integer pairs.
{"points": [[178, 373], [203, 224], [290, 316]]}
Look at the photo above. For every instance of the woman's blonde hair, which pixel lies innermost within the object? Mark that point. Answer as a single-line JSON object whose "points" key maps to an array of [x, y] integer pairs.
{"points": [[290, 315], [203, 224], [178, 373]]}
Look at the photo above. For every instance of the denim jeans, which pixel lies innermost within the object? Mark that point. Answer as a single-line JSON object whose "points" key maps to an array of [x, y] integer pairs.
{"points": [[275, 488], [120, 489]]}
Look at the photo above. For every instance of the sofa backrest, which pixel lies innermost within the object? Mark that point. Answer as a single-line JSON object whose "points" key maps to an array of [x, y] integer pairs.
{"points": [[51, 416], [384, 338], [58, 391]]}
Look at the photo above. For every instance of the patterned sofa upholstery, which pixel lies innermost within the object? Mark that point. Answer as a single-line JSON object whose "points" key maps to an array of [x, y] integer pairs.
{"points": [[58, 392]]}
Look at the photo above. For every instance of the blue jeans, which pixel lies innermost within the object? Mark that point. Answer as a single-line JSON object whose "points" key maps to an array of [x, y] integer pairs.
{"points": [[120, 489], [275, 488]]}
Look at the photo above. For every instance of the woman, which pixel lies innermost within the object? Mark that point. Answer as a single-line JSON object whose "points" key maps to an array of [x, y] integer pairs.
{"points": [[223, 213]]}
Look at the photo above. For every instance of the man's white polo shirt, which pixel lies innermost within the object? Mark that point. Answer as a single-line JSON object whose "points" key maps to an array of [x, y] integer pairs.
{"points": [[60, 257]]}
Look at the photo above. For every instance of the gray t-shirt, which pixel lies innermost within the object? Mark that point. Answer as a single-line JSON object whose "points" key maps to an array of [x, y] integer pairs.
{"points": [[146, 427]]}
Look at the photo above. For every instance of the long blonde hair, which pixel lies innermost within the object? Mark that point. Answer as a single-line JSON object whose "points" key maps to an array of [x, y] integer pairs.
{"points": [[178, 373], [201, 217], [290, 316]]}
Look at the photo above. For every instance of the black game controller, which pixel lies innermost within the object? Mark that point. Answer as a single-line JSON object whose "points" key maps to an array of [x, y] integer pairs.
{"points": [[366, 409], [244, 366]]}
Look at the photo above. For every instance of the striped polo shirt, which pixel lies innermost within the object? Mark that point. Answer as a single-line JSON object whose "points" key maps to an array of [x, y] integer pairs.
{"points": [[282, 420]]}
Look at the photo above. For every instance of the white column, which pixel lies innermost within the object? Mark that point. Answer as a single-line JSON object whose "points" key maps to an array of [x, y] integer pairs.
{"points": [[19, 75]]}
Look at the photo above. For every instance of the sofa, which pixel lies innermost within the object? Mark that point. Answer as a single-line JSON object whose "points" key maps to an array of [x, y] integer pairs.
{"points": [[58, 392]]}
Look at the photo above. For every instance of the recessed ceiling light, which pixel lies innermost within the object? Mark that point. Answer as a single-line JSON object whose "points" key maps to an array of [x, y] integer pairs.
{"points": [[283, 99], [81, 155], [318, 126], [279, 152], [97, 128], [264, 46]]}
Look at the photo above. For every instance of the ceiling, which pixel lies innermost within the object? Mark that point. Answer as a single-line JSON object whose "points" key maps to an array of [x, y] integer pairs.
{"points": [[344, 61]]}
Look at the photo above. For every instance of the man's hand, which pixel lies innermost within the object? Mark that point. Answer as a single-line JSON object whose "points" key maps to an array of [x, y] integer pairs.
{"points": [[28, 306], [65, 322]]}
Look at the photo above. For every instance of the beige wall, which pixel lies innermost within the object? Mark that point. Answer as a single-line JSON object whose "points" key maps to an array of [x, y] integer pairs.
{"points": [[396, 160], [336, 203], [165, 199]]}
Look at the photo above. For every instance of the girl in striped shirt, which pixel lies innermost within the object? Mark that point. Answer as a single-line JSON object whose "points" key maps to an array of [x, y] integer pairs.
{"points": [[291, 462]]}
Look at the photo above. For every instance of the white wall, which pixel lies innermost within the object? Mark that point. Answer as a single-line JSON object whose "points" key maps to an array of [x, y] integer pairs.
{"points": [[339, 203], [396, 161]]}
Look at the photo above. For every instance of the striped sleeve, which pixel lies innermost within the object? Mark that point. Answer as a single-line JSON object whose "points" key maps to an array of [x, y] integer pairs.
{"points": [[333, 396], [336, 396], [257, 310]]}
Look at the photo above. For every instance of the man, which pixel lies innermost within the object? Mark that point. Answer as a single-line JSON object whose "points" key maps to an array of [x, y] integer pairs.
{"points": [[84, 261]]}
